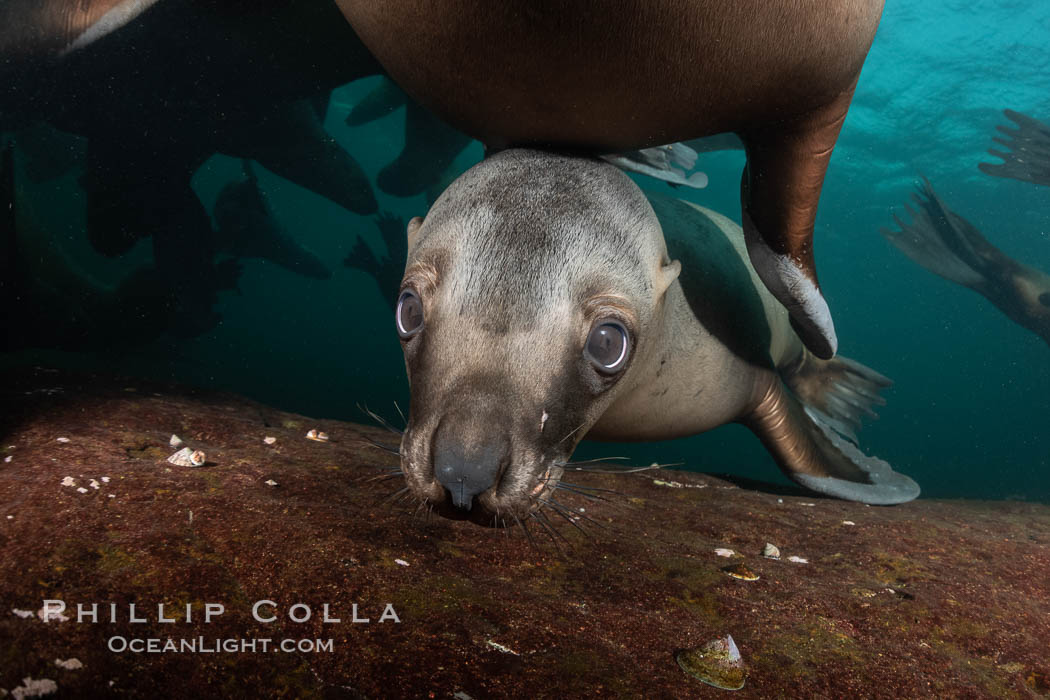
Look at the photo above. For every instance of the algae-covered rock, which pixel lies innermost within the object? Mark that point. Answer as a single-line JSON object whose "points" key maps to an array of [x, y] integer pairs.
{"points": [[928, 599]]}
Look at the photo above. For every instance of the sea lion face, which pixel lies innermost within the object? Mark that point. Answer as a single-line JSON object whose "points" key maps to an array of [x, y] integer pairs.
{"points": [[526, 300]]}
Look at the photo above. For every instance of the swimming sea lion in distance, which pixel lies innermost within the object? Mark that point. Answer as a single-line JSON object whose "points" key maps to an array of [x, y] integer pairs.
{"points": [[951, 247], [540, 305], [614, 78]]}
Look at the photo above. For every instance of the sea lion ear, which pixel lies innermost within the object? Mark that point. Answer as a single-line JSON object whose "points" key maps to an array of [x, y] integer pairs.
{"points": [[667, 274], [413, 230]]}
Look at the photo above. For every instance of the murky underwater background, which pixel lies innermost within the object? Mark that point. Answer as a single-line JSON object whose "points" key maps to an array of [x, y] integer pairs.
{"points": [[969, 413]]}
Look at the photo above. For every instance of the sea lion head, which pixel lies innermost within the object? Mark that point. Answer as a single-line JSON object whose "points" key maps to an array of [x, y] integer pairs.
{"points": [[527, 297]]}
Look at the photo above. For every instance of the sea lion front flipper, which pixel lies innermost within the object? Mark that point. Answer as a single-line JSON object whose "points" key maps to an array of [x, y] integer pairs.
{"points": [[1028, 159], [290, 141], [779, 191], [810, 451], [247, 228], [431, 146], [381, 101]]}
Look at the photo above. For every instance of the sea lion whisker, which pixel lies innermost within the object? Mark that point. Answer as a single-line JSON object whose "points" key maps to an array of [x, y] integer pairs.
{"points": [[571, 432], [576, 514], [625, 470], [545, 523], [379, 419], [584, 494], [528, 535], [597, 460], [378, 445], [381, 477], [392, 499], [565, 512], [584, 487], [401, 413]]}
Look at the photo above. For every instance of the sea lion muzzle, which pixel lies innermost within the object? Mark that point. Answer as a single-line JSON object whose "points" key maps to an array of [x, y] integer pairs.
{"points": [[465, 463]]}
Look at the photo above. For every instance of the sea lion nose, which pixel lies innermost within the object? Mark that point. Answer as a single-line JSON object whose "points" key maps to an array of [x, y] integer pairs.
{"points": [[467, 470]]}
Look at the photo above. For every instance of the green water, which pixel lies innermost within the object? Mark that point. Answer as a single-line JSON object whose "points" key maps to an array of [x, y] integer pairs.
{"points": [[968, 413]]}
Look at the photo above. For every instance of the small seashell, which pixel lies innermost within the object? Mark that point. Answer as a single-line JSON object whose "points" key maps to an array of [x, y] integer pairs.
{"points": [[69, 481], [81, 489], [717, 663], [62, 439], [270, 482], [401, 562], [69, 664], [8, 459], [739, 571], [848, 522], [105, 480], [771, 551], [723, 552], [317, 436], [176, 441], [188, 458], [269, 440], [34, 688], [94, 484], [798, 560]]}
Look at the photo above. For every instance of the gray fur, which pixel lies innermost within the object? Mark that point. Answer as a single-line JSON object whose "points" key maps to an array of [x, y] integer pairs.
{"points": [[570, 218]]}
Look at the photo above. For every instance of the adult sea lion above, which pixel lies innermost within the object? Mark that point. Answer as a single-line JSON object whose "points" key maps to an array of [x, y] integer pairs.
{"points": [[611, 77]]}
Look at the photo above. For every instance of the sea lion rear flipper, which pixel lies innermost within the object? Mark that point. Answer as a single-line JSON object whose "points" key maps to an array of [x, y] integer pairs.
{"points": [[942, 241], [786, 162], [810, 451]]}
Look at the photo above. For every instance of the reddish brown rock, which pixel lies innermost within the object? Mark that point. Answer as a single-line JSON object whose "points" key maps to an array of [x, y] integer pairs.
{"points": [[931, 598]]}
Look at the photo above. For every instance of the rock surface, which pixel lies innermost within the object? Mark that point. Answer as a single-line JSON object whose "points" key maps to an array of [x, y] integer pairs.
{"points": [[932, 598]]}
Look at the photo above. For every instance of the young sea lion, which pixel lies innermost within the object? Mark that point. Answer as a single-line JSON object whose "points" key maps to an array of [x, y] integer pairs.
{"points": [[541, 305]]}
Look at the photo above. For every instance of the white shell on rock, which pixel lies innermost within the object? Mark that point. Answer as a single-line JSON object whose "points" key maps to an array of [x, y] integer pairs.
{"points": [[771, 551], [176, 441], [69, 664], [317, 436], [269, 440], [188, 458]]}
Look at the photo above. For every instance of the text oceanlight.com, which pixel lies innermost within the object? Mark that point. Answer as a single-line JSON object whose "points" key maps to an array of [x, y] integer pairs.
{"points": [[202, 645]]}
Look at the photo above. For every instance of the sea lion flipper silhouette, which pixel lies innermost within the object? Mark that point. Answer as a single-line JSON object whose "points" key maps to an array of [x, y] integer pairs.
{"points": [[1028, 155]]}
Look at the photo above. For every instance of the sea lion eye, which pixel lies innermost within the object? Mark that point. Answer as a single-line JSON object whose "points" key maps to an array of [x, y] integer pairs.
{"points": [[607, 346], [409, 315]]}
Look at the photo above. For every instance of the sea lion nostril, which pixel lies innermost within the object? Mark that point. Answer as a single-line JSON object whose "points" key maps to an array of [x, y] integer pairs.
{"points": [[467, 471]]}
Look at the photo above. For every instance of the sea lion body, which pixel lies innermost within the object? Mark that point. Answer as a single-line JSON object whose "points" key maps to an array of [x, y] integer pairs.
{"points": [[529, 264], [609, 78]]}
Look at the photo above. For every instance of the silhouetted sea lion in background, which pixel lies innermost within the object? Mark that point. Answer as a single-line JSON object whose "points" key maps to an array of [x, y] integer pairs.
{"points": [[540, 305], [951, 247], [635, 74], [48, 303]]}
